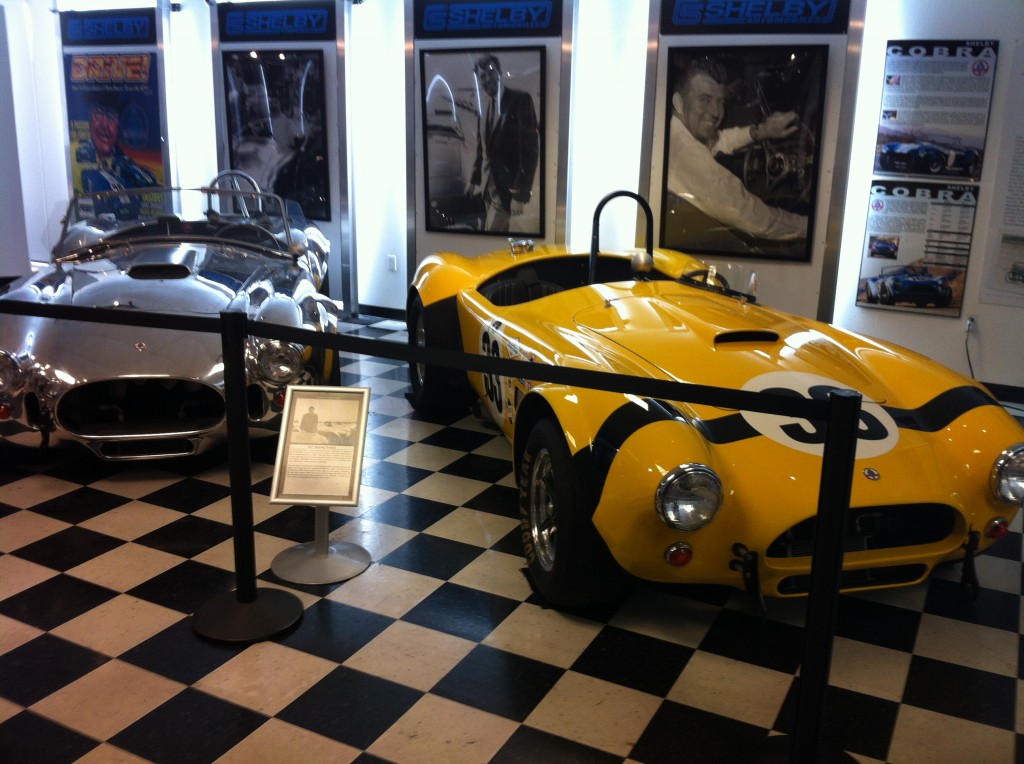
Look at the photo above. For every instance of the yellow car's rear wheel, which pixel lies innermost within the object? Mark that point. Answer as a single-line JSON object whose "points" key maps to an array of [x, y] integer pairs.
{"points": [[568, 562]]}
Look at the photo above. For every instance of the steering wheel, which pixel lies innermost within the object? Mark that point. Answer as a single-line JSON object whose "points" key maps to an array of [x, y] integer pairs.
{"points": [[250, 232], [705, 276]]}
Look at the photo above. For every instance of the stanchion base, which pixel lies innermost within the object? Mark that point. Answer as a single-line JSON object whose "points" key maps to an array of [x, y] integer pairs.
{"points": [[302, 564], [226, 619]]}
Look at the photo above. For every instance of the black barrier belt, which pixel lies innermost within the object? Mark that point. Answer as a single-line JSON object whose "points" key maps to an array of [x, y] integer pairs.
{"points": [[722, 397], [261, 617]]}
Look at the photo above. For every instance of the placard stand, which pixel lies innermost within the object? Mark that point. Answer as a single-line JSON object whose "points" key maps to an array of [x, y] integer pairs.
{"points": [[323, 560]]}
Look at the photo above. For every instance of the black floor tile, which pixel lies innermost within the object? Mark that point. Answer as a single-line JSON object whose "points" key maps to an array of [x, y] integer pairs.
{"points": [[960, 691], [459, 439], [679, 733], [298, 524], [334, 631], [192, 727], [432, 556], [65, 549], [410, 512], [850, 721], [54, 601], [41, 666], [392, 477], [185, 587], [479, 467], [531, 745], [498, 500], [187, 536], [511, 543], [188, 495], [634, 660], [523, 681], [999, 610], [30, 739], [350, 706], [459, 610], [877, 623], [79, 505], [381, 446], [756, 640], [179, 653], [1007, 548], [85, 470]]}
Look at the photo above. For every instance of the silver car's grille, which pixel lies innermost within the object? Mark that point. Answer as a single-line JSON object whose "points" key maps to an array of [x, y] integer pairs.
{"points": [[867, 528], [140, 406]]}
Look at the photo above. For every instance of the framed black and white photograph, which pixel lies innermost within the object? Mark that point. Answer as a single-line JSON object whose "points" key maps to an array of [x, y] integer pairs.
{"points": [[320, 450], [483, 144], [275, 116], [742, 137]]}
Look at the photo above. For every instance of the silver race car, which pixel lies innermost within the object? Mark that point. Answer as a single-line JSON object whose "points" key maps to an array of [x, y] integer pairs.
{"points": [[131, 392]]}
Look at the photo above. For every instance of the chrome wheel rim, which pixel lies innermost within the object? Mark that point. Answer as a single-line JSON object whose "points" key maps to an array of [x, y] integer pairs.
{"points": [[543, 510]]}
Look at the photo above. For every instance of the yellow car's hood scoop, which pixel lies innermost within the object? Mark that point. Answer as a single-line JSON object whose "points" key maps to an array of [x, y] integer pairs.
{"points": [[683, 334]]}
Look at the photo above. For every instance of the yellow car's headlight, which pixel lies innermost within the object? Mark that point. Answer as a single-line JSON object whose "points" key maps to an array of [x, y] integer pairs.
{"points": [[689, 497], [1008, 475]]}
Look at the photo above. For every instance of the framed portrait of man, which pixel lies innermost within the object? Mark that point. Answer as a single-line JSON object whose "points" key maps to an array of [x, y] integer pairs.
{"points": [[742, 138], [275, 104], [483, 140]]}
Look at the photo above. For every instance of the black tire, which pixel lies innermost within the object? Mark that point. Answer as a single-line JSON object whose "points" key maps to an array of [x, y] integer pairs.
{"points": [[568, 562], [433, 390]]}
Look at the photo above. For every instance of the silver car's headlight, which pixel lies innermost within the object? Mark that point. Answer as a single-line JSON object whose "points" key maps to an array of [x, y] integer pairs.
{"points": [[1008, 475], [12, 378], [689, 497], [279, 362]]}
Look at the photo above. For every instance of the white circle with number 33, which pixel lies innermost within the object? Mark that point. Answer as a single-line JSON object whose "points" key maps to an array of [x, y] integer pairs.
{"points": [[877, 432]]}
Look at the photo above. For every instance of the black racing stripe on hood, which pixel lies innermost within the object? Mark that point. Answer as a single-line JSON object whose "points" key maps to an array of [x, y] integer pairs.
{"points": [[934, 415], [726, 429], [941, 410], [617, 428]]}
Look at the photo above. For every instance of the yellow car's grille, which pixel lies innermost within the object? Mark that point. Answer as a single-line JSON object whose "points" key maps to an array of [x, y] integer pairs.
{"points": [[884, 527]]}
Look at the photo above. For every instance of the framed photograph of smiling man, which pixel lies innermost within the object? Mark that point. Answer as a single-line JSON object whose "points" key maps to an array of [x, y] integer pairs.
{"points": [[742, 137]]}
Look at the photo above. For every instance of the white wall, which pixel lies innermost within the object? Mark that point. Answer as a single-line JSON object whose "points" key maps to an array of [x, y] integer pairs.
{"points": [[997, 346]]}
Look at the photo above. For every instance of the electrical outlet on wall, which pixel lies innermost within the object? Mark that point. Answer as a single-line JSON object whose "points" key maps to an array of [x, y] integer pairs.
{"points": [[392, 263]]}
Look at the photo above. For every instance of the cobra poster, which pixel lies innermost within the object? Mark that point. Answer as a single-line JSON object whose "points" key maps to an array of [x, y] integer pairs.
{"points": [[917, 246], [114, 121], [935, 107]]}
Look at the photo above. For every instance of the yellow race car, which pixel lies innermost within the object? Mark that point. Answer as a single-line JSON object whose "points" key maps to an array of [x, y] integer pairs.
{"points": [[669, 491]]}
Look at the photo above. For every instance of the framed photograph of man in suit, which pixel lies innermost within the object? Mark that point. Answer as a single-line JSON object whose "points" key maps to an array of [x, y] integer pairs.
{"points": [[483, 144]]}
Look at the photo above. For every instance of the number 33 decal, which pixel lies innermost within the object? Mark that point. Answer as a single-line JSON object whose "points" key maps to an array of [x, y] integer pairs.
{"points": [[876, 434], [492, 382]]}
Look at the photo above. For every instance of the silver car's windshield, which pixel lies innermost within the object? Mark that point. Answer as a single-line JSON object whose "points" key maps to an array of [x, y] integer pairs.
{"points": [[99, 221]]}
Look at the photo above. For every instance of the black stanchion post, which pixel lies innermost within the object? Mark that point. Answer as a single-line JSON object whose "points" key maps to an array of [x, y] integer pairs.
{"points": [[245, 615], [826, 569]]}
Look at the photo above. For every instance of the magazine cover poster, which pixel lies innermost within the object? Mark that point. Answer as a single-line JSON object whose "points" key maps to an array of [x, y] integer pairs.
{"points": [[114, 120], [275, 118]]}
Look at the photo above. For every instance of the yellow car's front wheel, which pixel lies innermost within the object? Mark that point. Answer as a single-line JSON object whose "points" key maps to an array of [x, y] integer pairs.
{"points": [[568, 562]]}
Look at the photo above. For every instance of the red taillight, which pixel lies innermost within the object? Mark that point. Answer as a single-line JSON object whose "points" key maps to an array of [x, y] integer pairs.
{"points": [[5, 411], [279, 399], [679, 555], [997, 528]]}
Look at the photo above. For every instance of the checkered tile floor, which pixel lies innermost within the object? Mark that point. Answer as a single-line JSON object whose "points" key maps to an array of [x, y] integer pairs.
{"points": [[439, 652]]}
